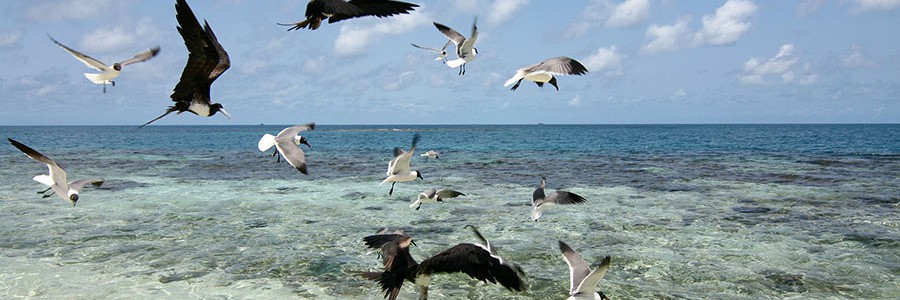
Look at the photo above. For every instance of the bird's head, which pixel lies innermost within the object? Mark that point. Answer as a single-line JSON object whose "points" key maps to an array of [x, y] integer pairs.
{"points": [[302, 140], [602, 295], [74, 198], [217, 107], [117, 66]]}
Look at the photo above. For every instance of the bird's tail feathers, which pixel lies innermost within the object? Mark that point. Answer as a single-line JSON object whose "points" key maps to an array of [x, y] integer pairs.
{"points": [[44, 179], [168, 111], [512, 80], [456, 63], [266, 142], [95, 78]]}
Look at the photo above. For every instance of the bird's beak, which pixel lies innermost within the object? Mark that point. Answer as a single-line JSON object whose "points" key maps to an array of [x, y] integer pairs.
{"points": [[306, 142], [227, 115], [413, 242]]}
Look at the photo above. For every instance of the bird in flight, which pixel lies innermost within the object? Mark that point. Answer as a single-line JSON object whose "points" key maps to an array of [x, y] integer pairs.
{"points": [[56, 180], [108, 72], [339, 10], [206, 62], [546, 70], [465, 47]]}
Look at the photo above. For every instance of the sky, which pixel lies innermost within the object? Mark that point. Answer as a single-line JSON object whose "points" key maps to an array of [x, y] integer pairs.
{"points": [[650, 62]]}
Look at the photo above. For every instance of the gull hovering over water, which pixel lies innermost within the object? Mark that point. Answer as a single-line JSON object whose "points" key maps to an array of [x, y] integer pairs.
{"points": [[108, 72], [398, 168], [433, 195], [583, 280], [207, 60], [546, 70], [339, 10], [479, 261], [465, 48], [56, 180], [287, 142], [431, 154], [540, 202], [442, 53]]}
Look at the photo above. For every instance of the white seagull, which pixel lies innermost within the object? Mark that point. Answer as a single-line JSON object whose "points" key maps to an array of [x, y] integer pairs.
{"points": [[108, 72], [56, 180], [433, 195], [583, 280], [398, 168], [465, 48], [540, 202], [431, 154], [287, 142], [545, 70], [442, 53]]}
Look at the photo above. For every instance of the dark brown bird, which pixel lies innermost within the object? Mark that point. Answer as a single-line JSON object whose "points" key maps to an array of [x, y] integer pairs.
{"points": [[207, 60], [339, 10], [476, 260]]}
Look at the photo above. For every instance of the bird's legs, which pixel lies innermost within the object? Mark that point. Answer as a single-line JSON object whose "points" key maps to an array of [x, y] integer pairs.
{"points": [[44, 191], [392, 188], [277, 157]]}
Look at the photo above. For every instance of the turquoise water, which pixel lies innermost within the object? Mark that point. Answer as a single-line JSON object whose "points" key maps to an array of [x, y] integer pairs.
{"points": [[685, 211]]}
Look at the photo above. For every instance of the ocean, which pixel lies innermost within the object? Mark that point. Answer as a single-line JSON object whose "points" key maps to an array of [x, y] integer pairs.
{"points": [[684, 211]]}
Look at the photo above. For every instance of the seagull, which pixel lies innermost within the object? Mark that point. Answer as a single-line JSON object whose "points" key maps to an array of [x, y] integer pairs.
{"points": [[583, 280], [432, 195], [56, 180], [339, 10], [442, 53], [431, 154], [398, 168], [287, 143], [206, 61], [108, 72], [540, 202], [545, 70], [465, 48], [476, 260]]}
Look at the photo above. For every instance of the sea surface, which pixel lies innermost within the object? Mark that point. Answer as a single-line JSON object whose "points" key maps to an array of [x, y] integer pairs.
{"points": [[684, 211]]}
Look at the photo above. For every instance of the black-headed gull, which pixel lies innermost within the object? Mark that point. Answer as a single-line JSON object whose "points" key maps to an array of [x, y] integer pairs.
{"points": [[56, 180], [540, 202], [546, 70], [287, 143], [465, 47], [398, 168], [108, 72], [434, 195], [583, 280]]}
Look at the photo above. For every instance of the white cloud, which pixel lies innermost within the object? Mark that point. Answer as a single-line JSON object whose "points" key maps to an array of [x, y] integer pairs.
{"points": [[629, 13], [10, 38], [668, 37], [728, 23], [756, 70], [65, 10], [576, 101], [678, 95], [503, 10], [591, 16], [120, 37], [807, 7], [605, 59], [867, 5], [856, 58], [355, 38]]}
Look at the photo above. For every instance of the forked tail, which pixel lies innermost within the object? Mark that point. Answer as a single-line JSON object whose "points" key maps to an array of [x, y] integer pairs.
{"points": [[168, 111]]}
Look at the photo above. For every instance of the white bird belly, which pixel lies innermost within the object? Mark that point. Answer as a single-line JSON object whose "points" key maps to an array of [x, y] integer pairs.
{"points": [[539, 77], [199, 108]]}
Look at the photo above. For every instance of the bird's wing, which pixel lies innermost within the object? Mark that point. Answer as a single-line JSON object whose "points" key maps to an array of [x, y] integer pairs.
{"points": [[559, 66], [87, 60], [476, 262], [289, 133], [483, 240], [470, 42], [588, 285], [429, 193], [77, 185], [57, 174], [141, 56], [563, 197], [578, 267], [362, 8], [205, 59], [378, 240], [426, 48], [448, 193], [451, 34]]}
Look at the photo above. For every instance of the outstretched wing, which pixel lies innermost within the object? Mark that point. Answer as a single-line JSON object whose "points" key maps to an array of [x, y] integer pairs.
{"points": [[141, 56], [476, 262], [87, 60], [77, 185], [378, 8], [206, 61], [578, 267], [559, 66], [448, 193], [284, 141], [563, 197], [451, 34], [589, 285]]}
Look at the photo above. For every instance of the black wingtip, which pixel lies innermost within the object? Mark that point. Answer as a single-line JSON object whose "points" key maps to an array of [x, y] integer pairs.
{"points": [[416, 138]]}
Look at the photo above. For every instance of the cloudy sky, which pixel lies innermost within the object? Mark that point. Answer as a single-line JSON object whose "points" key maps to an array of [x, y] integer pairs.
{"points": [[650, 61]]}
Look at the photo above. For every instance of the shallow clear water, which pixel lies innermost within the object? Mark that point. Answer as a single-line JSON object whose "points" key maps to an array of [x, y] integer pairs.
{"points": [[685, 211]]}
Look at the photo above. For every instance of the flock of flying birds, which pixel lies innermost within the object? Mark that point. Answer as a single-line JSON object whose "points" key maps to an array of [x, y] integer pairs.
{"points": [[207, 61]]}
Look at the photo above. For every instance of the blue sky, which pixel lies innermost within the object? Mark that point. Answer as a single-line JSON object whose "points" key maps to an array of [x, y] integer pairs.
{"points": [[650, 61]]}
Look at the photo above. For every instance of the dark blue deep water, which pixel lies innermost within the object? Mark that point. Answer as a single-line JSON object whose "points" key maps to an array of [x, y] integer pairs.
{"points": [[685, 211]]}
